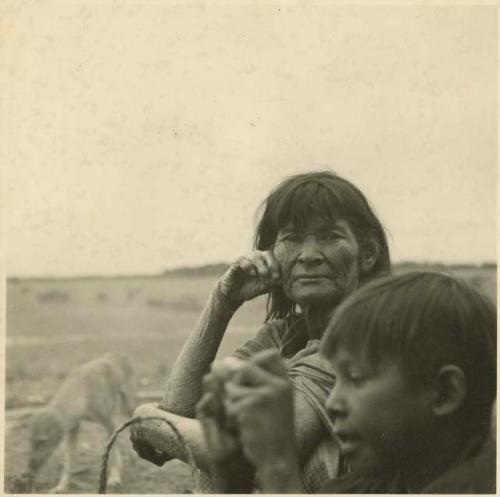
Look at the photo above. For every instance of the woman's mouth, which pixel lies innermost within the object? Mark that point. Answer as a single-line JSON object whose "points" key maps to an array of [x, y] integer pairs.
{"points": [[311, 277]]}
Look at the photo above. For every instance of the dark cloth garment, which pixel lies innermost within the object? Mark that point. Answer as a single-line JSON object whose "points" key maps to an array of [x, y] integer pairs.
{"points": [[474, 472], [288, 335]]}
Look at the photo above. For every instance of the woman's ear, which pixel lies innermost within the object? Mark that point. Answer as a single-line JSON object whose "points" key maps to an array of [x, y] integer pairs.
{"points": [[451, 389], [370, 251]]}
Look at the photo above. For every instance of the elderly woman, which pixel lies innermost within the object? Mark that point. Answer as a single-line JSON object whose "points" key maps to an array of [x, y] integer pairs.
{"points": [[317, 240]]}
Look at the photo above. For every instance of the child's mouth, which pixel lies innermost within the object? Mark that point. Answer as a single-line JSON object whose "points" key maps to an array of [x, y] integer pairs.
{"points": [[348, 442]]}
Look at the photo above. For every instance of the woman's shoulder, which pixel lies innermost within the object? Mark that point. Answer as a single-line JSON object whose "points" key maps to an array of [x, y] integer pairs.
{"points": [[292, 334], [283, 326], [275, 333]]}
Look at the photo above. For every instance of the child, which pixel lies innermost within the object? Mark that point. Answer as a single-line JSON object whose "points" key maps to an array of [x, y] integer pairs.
{"points": [[415, 363], [414, 358]]}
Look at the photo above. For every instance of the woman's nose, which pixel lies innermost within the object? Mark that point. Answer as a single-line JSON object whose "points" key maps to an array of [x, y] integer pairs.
{"points": [[310, 251]]}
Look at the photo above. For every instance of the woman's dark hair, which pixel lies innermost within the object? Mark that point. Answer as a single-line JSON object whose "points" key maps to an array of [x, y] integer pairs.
{"points": [[321, 195], [423, 321]]}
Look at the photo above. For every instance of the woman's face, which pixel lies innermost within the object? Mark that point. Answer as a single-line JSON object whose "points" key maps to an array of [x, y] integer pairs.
{"points": [[319, 263]]}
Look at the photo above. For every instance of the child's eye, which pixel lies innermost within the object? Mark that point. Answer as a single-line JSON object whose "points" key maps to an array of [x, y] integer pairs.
{"points": [[357, 379]]}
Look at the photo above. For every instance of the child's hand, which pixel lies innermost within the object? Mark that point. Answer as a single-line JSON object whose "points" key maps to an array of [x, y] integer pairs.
{"points": [[231, 471], [260, 398], [222, 444], [249, 277]]}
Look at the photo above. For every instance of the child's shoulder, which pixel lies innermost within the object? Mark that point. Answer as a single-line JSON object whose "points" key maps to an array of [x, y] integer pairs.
{"points": [[474, 475]]}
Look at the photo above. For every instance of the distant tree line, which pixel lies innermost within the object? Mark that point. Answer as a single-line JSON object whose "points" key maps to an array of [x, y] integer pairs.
{"points": [[219, 268], [206, 270]]}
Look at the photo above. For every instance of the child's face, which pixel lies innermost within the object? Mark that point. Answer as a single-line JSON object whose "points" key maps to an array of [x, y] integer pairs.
{"points": [[378, 417]]}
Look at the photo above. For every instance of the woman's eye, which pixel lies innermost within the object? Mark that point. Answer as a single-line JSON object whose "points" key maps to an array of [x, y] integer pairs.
{"points": [[330, 235], [290, 237]]}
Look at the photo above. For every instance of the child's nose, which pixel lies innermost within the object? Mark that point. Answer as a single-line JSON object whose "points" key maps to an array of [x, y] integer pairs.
{"points": [[335, 404]]}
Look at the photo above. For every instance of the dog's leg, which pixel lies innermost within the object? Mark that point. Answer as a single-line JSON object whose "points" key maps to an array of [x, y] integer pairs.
{"points": [[114, 479], [115, 471], [128, 399], [69, 460]]}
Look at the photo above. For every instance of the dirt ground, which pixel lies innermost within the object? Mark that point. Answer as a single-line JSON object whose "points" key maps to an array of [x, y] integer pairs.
{"points": [[139, 476]]}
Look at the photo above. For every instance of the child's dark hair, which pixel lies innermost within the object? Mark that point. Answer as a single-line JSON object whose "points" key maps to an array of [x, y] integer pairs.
{"points": [[424, 321], [321, 195]]}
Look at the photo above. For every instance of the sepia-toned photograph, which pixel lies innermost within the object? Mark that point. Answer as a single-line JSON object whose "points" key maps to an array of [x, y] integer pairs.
{"points": [[249, 247]]}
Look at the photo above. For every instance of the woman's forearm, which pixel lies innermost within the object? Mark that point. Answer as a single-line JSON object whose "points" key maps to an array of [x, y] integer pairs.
{"points": [[160, 436], [184, 385]]}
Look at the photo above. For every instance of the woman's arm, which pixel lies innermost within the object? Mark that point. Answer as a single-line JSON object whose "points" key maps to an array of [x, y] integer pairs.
{"points": [[244, 280], [156, 442], [161, 439], [183, 388]]}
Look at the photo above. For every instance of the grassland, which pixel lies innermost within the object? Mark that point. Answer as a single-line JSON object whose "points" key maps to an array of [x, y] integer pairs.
{"points": [[52, 325]]}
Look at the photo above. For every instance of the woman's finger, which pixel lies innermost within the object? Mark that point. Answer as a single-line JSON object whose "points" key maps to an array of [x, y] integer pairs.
{"points": [[261, 265], [247, 266], [273, 266]]}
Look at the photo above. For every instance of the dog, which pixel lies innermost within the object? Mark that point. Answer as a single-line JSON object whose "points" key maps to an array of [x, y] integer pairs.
{"points": [[101, 391]]}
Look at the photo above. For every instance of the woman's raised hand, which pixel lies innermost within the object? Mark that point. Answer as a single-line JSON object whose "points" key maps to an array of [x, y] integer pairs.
{"points": [[249, 277]]}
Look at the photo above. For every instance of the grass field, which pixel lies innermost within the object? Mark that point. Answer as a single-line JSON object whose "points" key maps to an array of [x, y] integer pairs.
{"points": [[52, 325]]}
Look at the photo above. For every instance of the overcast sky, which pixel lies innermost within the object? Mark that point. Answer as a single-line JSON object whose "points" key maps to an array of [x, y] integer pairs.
{"points": [[144, 136]]}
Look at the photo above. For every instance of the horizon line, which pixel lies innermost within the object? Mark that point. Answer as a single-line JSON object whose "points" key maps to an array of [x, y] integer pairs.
{"points": [[164, 272]]}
